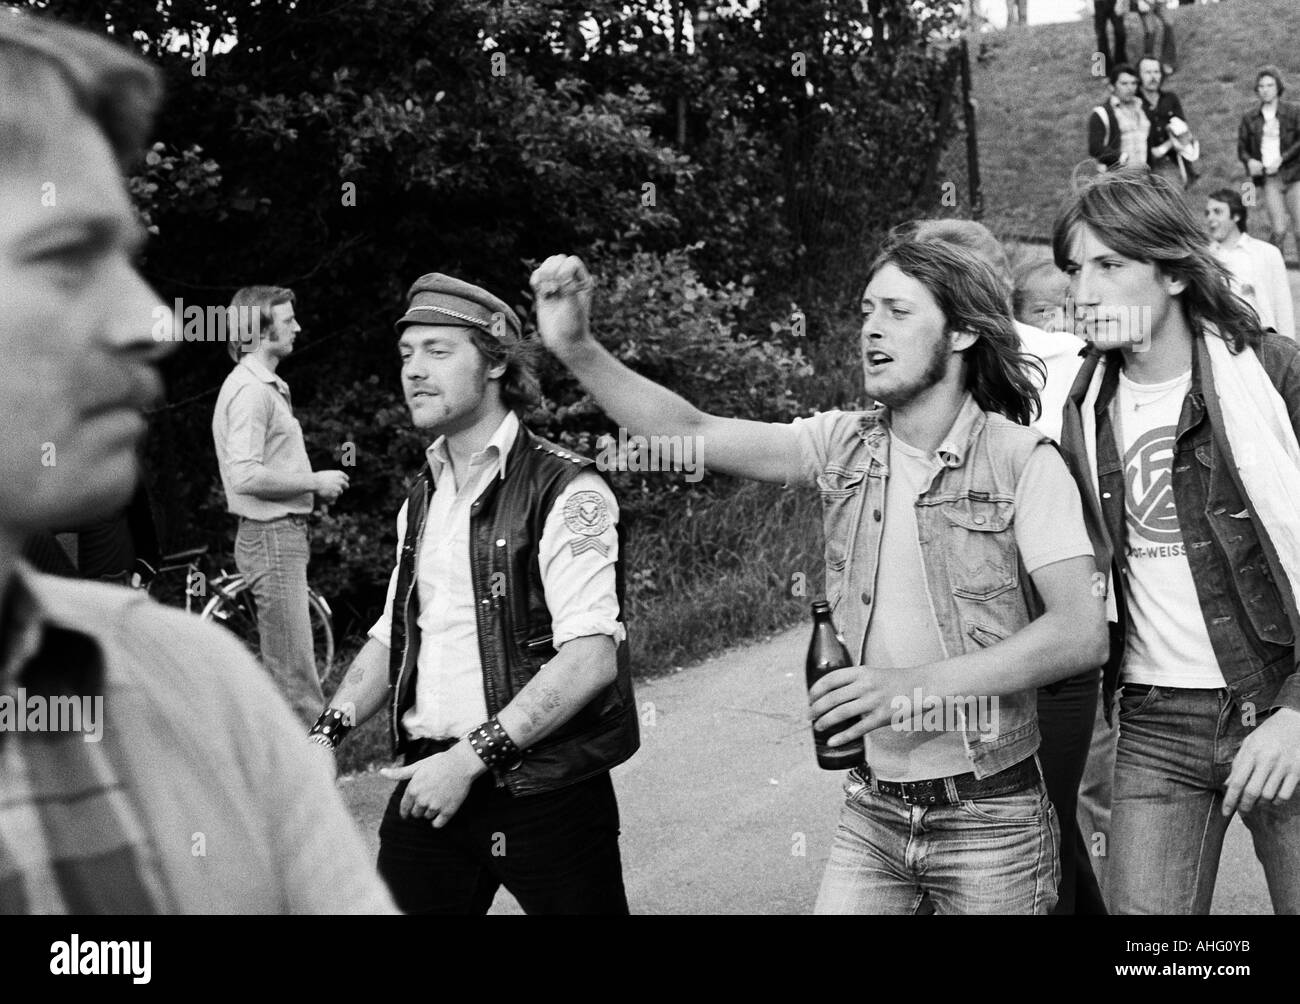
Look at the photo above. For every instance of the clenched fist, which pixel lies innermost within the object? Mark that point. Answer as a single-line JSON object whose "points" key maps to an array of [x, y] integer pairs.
{"points": [[562, 299]]}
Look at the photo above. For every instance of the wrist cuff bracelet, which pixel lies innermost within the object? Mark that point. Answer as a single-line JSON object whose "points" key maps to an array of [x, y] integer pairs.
{"points": [[494, 746], [330, 728]]}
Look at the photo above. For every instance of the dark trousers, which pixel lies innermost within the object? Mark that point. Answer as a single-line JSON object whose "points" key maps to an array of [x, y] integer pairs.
{"points": [[556, 852], [1168, 48], [1065, 719], [1103, 11]]}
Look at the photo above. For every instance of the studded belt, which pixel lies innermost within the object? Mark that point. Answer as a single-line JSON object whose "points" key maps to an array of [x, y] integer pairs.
{"points": [[958, 787]]}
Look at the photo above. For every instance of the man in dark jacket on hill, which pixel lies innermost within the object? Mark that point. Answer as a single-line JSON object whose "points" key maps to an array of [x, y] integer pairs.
{"points": [[1268, 144]]}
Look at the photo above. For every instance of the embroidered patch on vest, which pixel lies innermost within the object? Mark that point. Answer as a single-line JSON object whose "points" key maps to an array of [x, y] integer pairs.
{"points": [[587, 514]]}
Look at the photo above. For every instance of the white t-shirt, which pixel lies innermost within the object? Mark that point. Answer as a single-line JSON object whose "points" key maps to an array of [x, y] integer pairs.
{"points": [[1270, 145], [1168, 645]]}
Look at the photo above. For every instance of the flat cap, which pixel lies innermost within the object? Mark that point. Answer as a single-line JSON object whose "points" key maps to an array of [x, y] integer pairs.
{"points": [[435, 298]]}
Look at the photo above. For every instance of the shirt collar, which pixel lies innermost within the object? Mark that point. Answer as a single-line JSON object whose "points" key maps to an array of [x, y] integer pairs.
{"points": [[262, 373], [44, 655], [497, 448], [951, 452], [1233, 243]]}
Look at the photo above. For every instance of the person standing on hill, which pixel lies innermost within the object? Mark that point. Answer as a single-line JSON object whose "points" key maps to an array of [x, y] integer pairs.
{"points": [[1172, 149], [1110, 12], [1119, 132], [1268, 144], [1149, 12]]}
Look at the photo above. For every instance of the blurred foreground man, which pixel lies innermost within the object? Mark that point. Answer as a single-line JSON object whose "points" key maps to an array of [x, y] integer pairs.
{"points": [[949, 525], [500, 653], [146, 763]]}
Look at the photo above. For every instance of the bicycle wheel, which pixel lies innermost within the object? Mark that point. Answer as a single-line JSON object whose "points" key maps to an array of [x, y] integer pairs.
{"points": [[235, 608]]}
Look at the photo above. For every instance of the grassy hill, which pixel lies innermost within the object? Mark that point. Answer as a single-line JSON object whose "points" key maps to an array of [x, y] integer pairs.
{"points": [[1034, 90]]}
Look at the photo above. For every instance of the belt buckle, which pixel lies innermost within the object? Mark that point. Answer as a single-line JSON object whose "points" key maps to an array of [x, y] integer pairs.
{"points": [[928, 786]]}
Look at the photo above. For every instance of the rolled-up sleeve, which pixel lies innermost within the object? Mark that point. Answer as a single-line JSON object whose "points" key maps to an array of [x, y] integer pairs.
{"points": [[577, 556], [382, 631]]}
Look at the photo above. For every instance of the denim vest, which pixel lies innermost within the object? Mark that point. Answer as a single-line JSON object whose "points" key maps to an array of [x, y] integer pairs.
{"points": [[965, 522]]}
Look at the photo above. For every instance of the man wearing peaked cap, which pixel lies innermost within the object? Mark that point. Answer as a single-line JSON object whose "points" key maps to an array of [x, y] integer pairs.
{"points": [[500, 652], [435, 298]]}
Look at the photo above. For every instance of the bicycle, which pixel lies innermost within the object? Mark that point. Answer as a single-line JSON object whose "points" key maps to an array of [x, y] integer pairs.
{"points": [[226, 599]]}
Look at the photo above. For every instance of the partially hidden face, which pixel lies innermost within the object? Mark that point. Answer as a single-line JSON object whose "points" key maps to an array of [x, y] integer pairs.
{"points": [[76, 335], [1044, 297]]}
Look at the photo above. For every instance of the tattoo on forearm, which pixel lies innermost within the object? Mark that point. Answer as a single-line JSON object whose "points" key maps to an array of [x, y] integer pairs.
{"points": [[538, 705]]}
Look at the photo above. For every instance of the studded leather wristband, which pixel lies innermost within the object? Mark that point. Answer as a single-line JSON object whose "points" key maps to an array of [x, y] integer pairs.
{"points": [[330, 728], [494, 746]]}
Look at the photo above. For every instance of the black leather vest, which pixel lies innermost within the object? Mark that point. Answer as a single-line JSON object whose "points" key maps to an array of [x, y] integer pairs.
{"points": [[514, 624]]}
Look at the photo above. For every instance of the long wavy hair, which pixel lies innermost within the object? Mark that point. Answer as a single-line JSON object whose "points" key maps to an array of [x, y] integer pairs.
{"points": [[973, 299], [1144, 217]]}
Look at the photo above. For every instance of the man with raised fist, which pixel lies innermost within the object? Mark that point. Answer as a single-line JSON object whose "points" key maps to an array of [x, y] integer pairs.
{"points": [[949, 525]]}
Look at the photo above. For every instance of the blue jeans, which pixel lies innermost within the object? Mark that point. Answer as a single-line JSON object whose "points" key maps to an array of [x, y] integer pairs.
{"points": [[272, 556], [1175, 752], [1095, 794], [994, 855]]}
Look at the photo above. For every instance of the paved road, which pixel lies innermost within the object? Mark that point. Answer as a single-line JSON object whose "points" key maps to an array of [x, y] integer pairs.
{"points": [[724, 809]]}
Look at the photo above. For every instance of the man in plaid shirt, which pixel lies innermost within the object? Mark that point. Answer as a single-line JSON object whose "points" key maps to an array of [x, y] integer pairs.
{"points": [[146, 764]]}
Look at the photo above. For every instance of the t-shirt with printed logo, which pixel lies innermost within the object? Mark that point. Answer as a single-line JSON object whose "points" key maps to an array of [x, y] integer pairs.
{"points": [[1168, 644]]}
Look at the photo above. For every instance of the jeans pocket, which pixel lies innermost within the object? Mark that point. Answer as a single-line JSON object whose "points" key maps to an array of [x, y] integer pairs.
{"points": [[1019, 808], [1134, 698]]}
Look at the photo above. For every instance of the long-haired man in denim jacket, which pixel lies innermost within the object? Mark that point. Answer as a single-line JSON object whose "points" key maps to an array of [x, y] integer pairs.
{"points": [[1203, 640]]}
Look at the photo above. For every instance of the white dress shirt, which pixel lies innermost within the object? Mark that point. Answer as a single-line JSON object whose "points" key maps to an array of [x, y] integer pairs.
{"points": [[1060, 354], [577, 569], [1259, 277]]}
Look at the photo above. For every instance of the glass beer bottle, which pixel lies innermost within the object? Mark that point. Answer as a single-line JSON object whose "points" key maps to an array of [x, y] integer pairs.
{"points": [[826, 653]]}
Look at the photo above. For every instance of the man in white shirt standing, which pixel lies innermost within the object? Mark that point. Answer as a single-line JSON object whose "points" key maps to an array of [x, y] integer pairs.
{"points": [[1258, 271], [269, 485], [500, 652]]}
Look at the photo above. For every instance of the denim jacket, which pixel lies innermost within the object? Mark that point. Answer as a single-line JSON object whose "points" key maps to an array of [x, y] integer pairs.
{"points": [[965, 526], [1243, 594]]}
